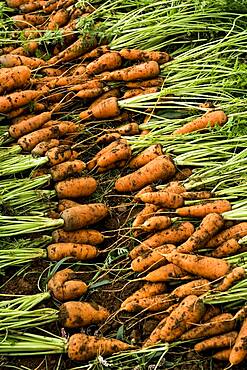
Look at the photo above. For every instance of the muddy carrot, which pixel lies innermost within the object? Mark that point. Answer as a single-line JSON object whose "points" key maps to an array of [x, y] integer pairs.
{"points": [[107, 108], [75, 187], [237, 232], [152, 258], [226, 249], [156, 223], [24, 127], [165, 273], [131, 128], [113, 93], [83, 236], [219, 341], [60, 154], [238, 273], [163, 199], [182, 174], [197, 195], [195, 287], [146, 156], [140, 71], [151, 304], [147, 83], [144, 214], [239, 350], [80, 252], [146, 189], [175, 187], [59, 19], [41, 148], [148, 290], [66, 169], [202, 210], [222, 355], [141, 91], [145, 55], [17, 99], [14, 78], [106, 62], [21, 20], [108, 138], [11, 60], [89, 93]]}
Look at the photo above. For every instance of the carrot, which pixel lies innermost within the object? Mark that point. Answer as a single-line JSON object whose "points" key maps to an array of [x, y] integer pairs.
{"points": [[222, 355], [79, 314], [87, 236], [14, 78], [197, 195], [195, 287], [117, 164], [121, 152], [146, 156], [96, 53], [89, 93], [52, 72], [21, 20], [36, 107], [148, 290], [160, 168], [145, 55], [142, 216], [182, 174], [75, 187], [189, 312], [156, 223], [173, 235], [237, 232], [27, 50], [209, 226], [140, 71], [174, 187], [65, 204], [11, 60], [210, 119], [82, 347], [24, 127], [80, 252], [32, 6], [107, 108], [226, 249], [106, 62], [148, 83], [239, 350], [202, 210], [60, 154], [89, 85], [15, 3], [152, 258], [59, 19], [131, 128], [65, 286], [29, 141], [165, 273], [66, 169], [206, 267], [219, 324], [108, 138], [219, 341], [40, 149], [238, 273], [146, 189], [76, 218], [141, 91], [211, 312], [163, 199], [151, 304], [17, 99]]}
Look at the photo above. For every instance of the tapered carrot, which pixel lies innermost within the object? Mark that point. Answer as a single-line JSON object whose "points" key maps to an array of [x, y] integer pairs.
{"points": [[117, 164], [189, 312], [219, 341], [226, 249], [83, 236], [211, 312], [120, 152], [238, 273], [142, 216], [79, 314], [17, 99], [60, 154], [36, 107], [15, 3], [206, 267], [209, 226], [202, 210], [210, 119], [80, 252], [156, 223], [146, 189], [160, 168], [222, 355], [14, 78], [88, 85], [197, 195], [21, 20], [141, 91], [11, 60], [89, 93], [113, 93], [75, 187], [131, 128], [148, 290], [59, 19], [108, 138], [65, 204], [136, 72], [239, 350], [29, 49], [82, 347], [195, 287], [24, 127], [31, 6], [237, 232], [152, 259], [163, 199], [175, 187], [219, 324], [107, 108], [173, 235], [41, 148], [165, 273], [106, 62], [145, 55], [146, 156], [151, 304], [66, 169], [147, 83], [96, 53], [76, 218]]}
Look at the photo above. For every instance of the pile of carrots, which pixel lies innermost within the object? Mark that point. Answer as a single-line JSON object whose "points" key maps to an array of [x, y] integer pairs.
{"points": [[181, 237]]}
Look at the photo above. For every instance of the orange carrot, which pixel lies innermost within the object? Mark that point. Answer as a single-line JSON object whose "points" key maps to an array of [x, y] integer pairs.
{"points": [[90, 84], [219, 341], [140, 71], [65, 204], [152, 258], [59, 19], [141, 91], [148, 83], [148, 290], [41, 148], [146, 156], [96, 53], [209, 226], [75, 187], [238, 273], [156, 223], [31, 6], [219, 324], [146, 189], [197, 195], [142, 216], [165, 273], [163, 199], [189, 312], [107, 108], [66, 169], [151, 304], [145, 55], [36, 107], [131, 128], [182, 174], [222, 355], [237, 232], [160, 168], [117, 164], [202, 210], [11, 60], [122, 151], [108, 138], [82, 347], [80, 252], [195, 287], [14, 78], [24, 127], [210, 119], [211, 312], [173, 235], [106, 62], [89, 93], [174, 187], [206, 267], [21, 20], [79, 314], [239, 350], [17, 99], [226, 249], [83, 236], [60, 154], [76, 218], [113, 93]]}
